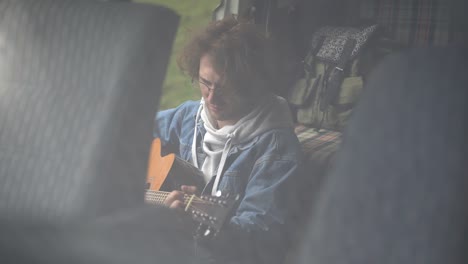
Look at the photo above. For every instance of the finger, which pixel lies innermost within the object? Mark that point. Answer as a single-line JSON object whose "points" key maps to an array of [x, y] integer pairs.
{"points": [[172, 197], [177, 205], [188, 189]]}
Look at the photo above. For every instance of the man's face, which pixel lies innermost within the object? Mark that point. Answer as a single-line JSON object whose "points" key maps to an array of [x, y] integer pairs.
{"points": [[223, 103]]}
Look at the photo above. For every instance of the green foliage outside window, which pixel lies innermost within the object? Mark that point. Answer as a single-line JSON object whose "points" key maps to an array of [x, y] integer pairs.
{"points": [[194, 14]]}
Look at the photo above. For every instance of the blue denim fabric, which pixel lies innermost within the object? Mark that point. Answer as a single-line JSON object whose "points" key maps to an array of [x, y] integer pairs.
{"points": [[265, 171]]}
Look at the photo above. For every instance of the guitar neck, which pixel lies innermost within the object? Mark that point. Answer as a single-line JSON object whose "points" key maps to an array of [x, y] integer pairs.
{"points": [[158, 197], [210, 211]]}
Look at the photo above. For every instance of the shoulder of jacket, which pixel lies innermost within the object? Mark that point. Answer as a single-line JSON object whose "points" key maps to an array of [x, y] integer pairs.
{"points": [[283, 138], [279, 134], [189, 105], [185, 110]]}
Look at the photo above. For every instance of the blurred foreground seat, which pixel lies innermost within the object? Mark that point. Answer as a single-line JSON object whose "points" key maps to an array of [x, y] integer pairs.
{"points": [[398, 192], [79, 86]]}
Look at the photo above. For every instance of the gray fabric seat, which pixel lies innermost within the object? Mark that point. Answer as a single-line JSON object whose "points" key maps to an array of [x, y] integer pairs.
{"points": [[79, 86], [398, 191]]}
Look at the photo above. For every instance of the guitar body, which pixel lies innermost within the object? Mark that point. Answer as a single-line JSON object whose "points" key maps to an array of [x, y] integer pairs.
{"points": [[158, 166], [168, 173]]}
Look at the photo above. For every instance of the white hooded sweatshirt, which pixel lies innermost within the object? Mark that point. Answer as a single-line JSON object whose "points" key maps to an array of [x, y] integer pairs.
{"points": [[272, 113]]}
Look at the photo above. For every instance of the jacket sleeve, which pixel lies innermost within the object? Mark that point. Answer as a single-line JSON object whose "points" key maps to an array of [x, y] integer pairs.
{"points": [[264, 220], [168, 127]]}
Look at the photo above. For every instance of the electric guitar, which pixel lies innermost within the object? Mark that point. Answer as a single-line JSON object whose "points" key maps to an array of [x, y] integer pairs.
{"points": [[168, 172]]}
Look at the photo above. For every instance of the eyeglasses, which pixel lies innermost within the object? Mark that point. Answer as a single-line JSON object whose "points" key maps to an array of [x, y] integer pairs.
{"points": [[220, 90]]}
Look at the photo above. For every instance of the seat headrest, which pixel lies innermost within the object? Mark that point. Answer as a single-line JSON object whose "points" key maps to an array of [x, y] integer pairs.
{"points": [[79, 86]]}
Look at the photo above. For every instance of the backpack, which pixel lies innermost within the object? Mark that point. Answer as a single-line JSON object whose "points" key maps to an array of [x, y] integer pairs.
{"points": [[331, 82]]}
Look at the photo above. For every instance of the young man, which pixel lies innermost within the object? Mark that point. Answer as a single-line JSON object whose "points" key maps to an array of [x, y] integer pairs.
{"points": [[240, 135]]}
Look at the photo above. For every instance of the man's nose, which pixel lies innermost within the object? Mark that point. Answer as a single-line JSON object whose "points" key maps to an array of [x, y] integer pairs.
{"points": [[214, 96]]}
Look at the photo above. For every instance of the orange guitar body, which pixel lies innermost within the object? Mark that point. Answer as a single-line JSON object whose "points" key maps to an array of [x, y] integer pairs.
{"points": [[158, 166]]}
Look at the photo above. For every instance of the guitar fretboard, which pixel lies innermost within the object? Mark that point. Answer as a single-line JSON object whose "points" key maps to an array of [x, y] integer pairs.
{"points": [[158, 197]]}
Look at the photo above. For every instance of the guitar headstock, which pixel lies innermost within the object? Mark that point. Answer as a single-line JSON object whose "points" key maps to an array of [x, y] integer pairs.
{"points": [[211, 212]]}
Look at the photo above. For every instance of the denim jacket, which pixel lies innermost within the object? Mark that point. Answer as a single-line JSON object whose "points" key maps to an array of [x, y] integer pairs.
{"points": [[264, 171]]}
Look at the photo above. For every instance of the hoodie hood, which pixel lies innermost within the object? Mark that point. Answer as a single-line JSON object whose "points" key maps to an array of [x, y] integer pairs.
{"points": [[272, 113]]}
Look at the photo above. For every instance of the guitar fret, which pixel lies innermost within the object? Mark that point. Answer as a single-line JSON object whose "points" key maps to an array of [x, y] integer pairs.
{"points": [[155, 198]]}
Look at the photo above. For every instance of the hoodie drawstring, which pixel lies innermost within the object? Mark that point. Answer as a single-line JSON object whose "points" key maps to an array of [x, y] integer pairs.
{"points": [[227, 148], [195, 132]]}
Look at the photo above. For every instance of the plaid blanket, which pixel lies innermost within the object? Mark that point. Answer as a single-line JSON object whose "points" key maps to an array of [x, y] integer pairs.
{"points": [[418, 22], [318, 147]]}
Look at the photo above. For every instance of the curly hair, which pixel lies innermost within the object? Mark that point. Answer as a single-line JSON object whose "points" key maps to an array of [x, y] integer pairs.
{"points": [[239, 51]]}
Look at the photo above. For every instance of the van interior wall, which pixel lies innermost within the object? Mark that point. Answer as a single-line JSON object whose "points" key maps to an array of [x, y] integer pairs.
{"points": [[404, 24], [443, 21]]}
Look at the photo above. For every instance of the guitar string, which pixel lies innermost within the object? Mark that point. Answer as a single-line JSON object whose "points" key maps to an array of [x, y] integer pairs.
{"points": [[162, 193], [193, 205], [160, 199]]}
